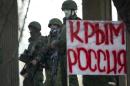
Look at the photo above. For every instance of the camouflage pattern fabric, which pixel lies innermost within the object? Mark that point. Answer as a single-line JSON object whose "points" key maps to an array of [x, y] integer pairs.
{"points": [[34, 72], [73, 81]]}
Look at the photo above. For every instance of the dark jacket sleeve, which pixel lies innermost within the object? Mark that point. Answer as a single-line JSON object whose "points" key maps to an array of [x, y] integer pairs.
{"points": [[123, 9]]}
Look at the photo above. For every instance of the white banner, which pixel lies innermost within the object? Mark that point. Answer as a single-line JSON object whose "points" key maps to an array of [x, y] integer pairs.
{"points": [[96, 47]]}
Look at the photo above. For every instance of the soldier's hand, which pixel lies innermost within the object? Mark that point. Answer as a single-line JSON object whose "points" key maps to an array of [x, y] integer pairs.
{"points": [[34, 61]]}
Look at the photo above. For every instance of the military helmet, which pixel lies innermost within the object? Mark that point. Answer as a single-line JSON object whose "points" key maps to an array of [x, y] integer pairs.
{"points": [[55, 21], [35, 24], [69, 5]]}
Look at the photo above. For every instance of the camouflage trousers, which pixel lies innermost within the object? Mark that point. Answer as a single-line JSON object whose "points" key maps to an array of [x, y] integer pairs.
{"points": [[57, 81], [61, 77], [73, 80]]}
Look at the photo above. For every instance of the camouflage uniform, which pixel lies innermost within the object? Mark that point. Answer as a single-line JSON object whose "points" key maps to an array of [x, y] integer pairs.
{"points": [[32, 57], [73, 81], [53, 75]]}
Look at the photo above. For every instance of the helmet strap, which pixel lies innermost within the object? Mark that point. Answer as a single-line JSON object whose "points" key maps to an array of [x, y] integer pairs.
{"points": [[72, 14]]}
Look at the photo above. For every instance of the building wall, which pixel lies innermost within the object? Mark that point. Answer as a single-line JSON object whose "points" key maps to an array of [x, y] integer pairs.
{"points": [[101, 10], [128, 57], [97, 9], [9, 43]]}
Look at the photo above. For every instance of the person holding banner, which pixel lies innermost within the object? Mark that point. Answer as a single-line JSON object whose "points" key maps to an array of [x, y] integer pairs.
{"points": [[69, 8]]}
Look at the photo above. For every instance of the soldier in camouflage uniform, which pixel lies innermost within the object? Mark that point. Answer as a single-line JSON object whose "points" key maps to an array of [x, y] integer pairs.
{"points": [[53, 73], [69, 7], [32, 57]]}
